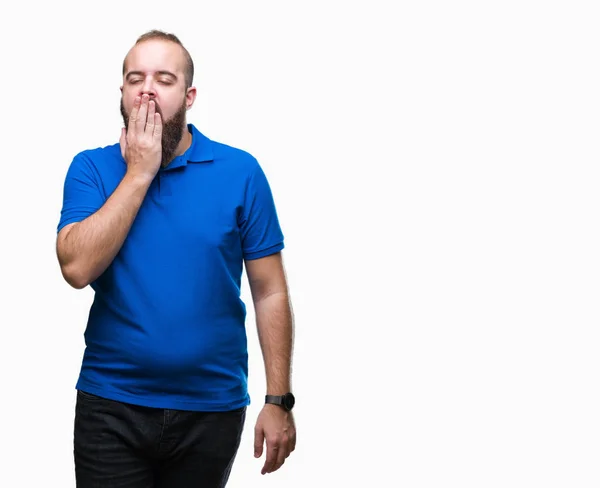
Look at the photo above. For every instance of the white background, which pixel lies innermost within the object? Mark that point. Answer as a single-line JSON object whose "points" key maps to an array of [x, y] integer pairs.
{"points": [[435, 168]]}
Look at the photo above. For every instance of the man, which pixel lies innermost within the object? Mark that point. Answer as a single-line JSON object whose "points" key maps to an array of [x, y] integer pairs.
{"points": [[160, 225]]}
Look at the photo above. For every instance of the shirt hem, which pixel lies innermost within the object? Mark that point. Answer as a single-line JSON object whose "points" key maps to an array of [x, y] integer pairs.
{"points": [[265, 252], [66, 222], [165, 401]]}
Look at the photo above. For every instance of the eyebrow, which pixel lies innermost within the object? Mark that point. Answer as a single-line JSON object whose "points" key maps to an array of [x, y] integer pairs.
{"points": [[140, 73]]}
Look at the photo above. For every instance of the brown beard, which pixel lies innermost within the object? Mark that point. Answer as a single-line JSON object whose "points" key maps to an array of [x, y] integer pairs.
{"points": [[172, 130]]}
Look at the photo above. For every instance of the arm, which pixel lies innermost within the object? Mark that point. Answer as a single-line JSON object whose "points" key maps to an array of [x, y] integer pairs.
{"points": [[274, 320], [275, 324], [85, 249]]}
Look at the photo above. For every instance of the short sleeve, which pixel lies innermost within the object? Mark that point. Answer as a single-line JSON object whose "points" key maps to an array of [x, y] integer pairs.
{"points": [[259, 223], [82, 192]]}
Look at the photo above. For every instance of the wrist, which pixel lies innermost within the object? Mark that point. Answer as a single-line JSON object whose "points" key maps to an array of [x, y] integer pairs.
{"points": [[139, 178], [280, 387]]}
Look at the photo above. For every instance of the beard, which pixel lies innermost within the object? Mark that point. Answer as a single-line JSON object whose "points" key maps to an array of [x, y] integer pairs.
{"points": [[172, 130]]}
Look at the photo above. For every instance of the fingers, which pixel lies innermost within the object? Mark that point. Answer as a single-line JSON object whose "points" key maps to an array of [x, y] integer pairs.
{"points": [[278, 451], [144, 118], [123, 141], [259, 439], [282, 454], [271, 461], [140, 123], [140, 147], [157, 126], [149, 129], [133, 116]]}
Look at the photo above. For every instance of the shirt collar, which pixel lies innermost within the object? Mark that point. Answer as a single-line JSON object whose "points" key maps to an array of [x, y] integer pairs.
{"points": [[200, 151]]}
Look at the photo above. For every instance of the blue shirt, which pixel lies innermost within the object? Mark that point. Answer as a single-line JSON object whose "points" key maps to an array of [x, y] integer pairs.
{"points": [[167, 325]]}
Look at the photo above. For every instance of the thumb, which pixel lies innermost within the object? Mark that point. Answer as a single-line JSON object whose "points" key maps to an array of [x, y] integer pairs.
{"points": [[123, 141], [259, 438]]}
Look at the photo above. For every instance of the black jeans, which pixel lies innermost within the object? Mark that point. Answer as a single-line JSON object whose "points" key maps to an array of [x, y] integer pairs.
{"points": [[118, 445]]}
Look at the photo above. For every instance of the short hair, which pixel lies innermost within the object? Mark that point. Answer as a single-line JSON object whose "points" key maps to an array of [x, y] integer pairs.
{"points": [[166, 36]]}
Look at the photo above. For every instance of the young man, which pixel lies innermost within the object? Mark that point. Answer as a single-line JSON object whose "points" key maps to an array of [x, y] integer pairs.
{"points": [[160, 225]]}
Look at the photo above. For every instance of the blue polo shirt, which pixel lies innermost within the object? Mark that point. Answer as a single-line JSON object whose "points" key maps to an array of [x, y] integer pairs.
{"points": [[167, 325]]}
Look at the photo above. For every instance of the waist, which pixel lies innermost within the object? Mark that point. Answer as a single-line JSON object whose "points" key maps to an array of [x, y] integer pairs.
{"points": [[193, 353]]}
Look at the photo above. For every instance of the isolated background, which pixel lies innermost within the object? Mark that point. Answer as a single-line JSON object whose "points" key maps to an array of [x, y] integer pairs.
{"points": [[435, 168]]}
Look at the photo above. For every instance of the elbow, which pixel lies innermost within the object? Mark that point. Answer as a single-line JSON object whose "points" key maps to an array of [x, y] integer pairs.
{"points": [[75, 277], [78, 285], [72, 268]]}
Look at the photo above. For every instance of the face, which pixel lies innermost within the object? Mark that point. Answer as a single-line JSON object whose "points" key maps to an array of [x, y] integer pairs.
{"points": [[157, 67]]}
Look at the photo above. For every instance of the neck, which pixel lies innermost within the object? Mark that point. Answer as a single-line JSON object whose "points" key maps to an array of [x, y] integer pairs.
{"points": [[185, 143]]}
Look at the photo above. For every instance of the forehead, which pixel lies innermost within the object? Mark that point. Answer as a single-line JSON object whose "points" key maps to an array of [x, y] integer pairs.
{"points": [[155, 55]]}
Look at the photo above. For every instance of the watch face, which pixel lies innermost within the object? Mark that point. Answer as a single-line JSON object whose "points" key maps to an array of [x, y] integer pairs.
{"points": [[289, 401]]}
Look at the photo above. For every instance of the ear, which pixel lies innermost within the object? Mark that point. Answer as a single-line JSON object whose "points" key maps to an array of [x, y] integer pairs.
{"points": [[190, 97], [121, 88]]}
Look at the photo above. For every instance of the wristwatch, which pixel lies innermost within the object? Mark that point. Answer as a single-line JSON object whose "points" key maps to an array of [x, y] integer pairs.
{"points": [[286, 401]]}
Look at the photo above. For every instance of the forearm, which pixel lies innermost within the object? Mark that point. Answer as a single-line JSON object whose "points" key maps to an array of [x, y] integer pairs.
{"points": [[275, 326], [91, 245]]}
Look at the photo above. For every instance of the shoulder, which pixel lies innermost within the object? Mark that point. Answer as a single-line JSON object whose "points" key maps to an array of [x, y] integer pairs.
{"points": [[235, 156], [100, 154], [97, 159], [225, 155]]}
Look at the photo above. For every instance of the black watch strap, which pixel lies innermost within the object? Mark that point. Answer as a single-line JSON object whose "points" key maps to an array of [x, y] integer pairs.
{"points": [[277, 400], [286, 401]]}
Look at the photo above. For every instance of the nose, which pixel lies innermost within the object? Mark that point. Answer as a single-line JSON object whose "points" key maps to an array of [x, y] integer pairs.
{"points": [[148, 88]]}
